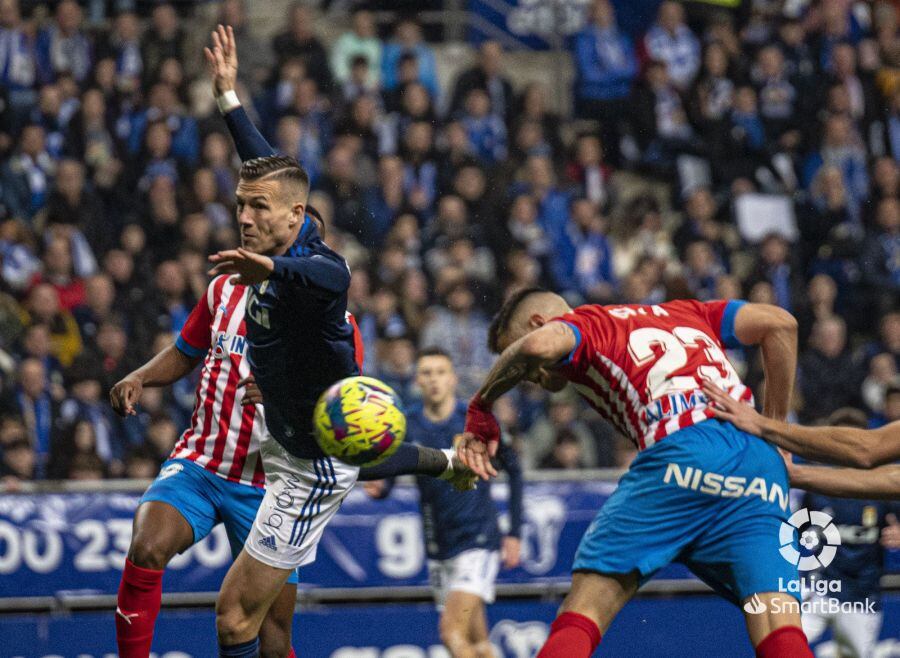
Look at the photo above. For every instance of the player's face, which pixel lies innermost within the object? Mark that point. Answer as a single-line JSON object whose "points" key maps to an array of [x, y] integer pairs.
{"points": [[266, 216], [436, 378]]}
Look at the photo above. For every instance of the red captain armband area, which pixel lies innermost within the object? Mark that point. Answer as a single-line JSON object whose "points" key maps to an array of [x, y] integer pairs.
{"points": [[480, 421]]}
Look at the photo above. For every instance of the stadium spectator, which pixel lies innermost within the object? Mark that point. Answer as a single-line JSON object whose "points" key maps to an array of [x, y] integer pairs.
{"points": [[408, 41], [487, 74], [562, 418], [300, 41], [25, 177], [460, 329], [828, 354], [123, 45], [566, 454], [605, 67], [165, 39], [671, 42], [39, 410], [63, 46], [17, 50], [361, 41]]}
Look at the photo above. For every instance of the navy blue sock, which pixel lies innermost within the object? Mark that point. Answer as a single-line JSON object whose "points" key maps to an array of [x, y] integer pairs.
{"points": [[243, 650]]}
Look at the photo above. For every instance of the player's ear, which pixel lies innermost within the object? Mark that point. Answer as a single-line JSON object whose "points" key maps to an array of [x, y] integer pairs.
{"points": [[297, 212], [536, 321]]}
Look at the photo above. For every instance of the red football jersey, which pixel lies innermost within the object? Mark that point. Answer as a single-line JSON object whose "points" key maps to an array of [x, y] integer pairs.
{"points": [[224, 435], [641, 366]]}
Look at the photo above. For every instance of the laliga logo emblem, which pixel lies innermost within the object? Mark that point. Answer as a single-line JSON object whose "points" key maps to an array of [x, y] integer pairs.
{"points": [[819, 539]]}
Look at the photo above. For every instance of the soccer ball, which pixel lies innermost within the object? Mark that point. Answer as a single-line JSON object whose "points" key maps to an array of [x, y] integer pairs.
{"points": [[360, 421]]}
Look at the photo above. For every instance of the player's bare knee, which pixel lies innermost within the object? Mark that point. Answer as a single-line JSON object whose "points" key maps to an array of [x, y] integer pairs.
{"points": [[233, 625], [453, 635], [484, 649], [150, 552]]}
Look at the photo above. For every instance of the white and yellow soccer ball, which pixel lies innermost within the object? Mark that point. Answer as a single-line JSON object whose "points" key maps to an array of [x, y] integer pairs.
{"points": [[359, 420]]}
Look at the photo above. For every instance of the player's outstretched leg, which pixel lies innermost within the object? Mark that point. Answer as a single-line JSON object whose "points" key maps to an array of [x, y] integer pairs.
{"points": [[248, 591], [159, 532], [776, 632], [587, 611]]}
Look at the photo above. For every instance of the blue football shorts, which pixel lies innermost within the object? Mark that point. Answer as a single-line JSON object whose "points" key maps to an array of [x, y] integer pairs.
{"points": [[205, 499], [709, 496]]}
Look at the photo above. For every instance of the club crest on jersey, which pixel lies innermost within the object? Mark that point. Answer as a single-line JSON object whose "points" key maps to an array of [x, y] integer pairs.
{"points": [[227, 344]]}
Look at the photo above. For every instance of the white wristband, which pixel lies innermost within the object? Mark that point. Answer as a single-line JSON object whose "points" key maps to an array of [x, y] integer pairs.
{"points": [[228, 101], [448, 472]]}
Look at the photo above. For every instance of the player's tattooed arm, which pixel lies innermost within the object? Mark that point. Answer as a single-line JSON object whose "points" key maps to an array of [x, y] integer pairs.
{"points": [[528, 359]]}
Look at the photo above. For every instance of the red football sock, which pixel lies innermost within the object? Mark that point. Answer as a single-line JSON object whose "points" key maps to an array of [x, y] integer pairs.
{"points": [[784, 642], [140, 594], [571, 636]]}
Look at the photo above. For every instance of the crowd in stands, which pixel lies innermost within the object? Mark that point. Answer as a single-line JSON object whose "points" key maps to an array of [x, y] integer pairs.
{"points": [[749, 154]]}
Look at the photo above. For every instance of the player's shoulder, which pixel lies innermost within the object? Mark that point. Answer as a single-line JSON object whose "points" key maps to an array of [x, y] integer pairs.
{"points": [[220, 287]]}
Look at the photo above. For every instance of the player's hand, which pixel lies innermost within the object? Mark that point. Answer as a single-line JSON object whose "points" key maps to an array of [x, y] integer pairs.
{"points": [[481, 423], [222, 60], [125, 395], [890, 534], [252, 394], [726, 408], [246, 267], [511, 552], [375, 488], [475, 455]]}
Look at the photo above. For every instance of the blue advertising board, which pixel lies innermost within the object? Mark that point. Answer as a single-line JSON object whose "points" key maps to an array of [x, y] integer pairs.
{"points": [[76, 543], [682, 627]]}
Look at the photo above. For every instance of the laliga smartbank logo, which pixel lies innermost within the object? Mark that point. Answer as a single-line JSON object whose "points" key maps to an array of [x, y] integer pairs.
{"points": [[819, 539]]}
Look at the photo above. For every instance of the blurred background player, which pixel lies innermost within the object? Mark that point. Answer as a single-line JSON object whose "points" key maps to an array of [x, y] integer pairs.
{"points": [[462, 538], [214, 474], [640, 366], [858, 565]]}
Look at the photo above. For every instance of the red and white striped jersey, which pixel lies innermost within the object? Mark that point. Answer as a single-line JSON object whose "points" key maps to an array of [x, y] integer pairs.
{"points": [[641, 366], [224, 435]]}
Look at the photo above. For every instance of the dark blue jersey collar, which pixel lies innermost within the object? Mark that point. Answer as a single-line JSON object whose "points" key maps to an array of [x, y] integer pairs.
{"points": [[308, 232]]}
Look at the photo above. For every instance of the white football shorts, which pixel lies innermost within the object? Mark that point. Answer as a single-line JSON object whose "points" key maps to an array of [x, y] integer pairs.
{"points": [[473, 571], [301, 497]]}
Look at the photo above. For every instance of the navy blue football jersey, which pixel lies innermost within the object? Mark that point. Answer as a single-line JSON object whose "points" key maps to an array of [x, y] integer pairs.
{"points": [[456, 521], [300, 338], [859, 560]]}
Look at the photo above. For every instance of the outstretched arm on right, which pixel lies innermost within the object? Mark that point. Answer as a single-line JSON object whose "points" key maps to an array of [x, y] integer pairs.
{"points": [[881, 483], [843, 446]]}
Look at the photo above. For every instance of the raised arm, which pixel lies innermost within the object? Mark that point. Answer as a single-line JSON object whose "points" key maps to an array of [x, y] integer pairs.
{"points": [[222, 62], [844, 446], [775, 331]]}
